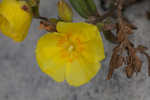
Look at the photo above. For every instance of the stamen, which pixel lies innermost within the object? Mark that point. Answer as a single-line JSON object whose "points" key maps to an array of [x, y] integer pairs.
{"points": [[71, 48]]}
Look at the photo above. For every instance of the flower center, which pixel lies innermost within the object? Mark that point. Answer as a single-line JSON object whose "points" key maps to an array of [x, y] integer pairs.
{"points": [[71, 48]]}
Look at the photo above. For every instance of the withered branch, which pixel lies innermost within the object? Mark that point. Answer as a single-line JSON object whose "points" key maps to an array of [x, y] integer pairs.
{"points": [[131, 61], [46, 25]]}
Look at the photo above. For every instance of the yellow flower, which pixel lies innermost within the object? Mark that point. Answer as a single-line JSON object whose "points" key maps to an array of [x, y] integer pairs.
{"points": [[72, 54], [15, 19]]}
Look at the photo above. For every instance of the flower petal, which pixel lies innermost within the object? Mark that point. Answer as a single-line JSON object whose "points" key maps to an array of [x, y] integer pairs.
{"points": [[80, 72], [83, 30], [93, 51], [48, 57]]}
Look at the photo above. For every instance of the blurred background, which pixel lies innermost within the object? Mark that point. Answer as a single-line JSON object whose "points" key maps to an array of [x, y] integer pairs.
{"points": [[22, 79]]}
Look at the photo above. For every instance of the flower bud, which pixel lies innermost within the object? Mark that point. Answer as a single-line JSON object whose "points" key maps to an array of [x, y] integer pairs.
{"points": [[64, 11], [15, 19]]}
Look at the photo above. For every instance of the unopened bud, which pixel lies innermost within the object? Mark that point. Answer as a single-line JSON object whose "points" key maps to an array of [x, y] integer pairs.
{"points": [[64, 11]]}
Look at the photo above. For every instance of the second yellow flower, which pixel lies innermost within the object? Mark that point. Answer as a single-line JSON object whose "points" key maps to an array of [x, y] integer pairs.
{"points": [[15, 19]]}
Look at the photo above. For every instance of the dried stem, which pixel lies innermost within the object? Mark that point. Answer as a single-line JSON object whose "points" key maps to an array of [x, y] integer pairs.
{"points": [[132, 63]]}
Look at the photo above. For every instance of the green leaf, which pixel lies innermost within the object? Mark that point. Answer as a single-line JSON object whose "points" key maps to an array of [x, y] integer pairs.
{"points": [[91, 6], [85, 8], [81, 7]]}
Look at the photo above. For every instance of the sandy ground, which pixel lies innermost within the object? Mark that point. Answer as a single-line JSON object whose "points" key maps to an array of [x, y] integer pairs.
{"points": [[21, 78]]}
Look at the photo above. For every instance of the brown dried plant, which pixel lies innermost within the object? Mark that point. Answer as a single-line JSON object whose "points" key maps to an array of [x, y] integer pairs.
{"points": [[131, 61]]}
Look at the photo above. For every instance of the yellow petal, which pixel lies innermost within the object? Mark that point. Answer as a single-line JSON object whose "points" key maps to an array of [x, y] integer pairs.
{"points": [[81, 29], [48, 56], [93, 51], [14, 21], [80, 72]]}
